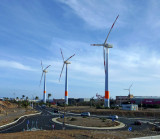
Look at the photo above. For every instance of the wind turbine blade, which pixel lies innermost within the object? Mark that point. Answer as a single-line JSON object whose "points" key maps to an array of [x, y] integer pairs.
{"points": [[47, 67], [104, 53], [130, 86], [41, 65], [62, 54], [41, 78], [111, 29], [97, 44], [70, 57], [61, 72]]}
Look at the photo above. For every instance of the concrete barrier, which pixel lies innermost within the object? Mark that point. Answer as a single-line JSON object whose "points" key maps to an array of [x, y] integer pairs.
{"points": [[149, 137]]}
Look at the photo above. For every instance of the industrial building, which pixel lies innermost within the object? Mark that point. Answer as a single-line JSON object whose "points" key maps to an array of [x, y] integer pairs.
{"points": [[123, 99], [148, 100], [139, 100]]}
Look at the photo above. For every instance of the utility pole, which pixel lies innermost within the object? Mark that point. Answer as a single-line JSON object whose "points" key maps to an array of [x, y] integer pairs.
{"points": [[64, 116]]}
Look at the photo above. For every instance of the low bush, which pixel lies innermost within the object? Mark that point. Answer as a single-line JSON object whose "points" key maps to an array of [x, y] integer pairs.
{"points": [[73, 119], [84, 116], [15, 119]]}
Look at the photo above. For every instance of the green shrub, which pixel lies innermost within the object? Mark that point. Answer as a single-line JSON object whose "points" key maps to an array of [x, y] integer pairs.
{"points": [[99, 107], [15, 119], [103, 119], [84, 116], [73, 119]]}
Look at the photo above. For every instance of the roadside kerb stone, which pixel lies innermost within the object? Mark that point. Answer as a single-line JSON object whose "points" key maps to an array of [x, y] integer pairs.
{"points": [[97, 128], [19, 119], [148, 137]]}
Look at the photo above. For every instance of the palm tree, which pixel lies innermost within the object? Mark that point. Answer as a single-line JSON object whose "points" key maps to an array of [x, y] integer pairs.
{"points": [[36, 98], [17, 98], [49, 95], [26, 98], [23, 96]]}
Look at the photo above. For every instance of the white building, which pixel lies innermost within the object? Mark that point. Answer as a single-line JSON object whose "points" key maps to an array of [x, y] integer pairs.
{"points": [[130, 107]]}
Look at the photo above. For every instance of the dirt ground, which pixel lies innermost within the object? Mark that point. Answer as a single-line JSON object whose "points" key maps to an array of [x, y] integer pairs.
{"points": [[74, 134], [10, 112], [89, 121], [144, 113]]}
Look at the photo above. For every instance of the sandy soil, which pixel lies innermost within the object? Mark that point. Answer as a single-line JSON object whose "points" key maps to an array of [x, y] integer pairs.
{"points": [[89, 122]]}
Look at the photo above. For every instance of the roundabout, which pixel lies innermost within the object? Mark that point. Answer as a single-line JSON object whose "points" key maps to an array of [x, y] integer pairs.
{"points": [[89, 123]]}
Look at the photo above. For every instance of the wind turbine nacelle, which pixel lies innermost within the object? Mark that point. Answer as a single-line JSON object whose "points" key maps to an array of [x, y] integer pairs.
{"points": [[108, 45], [67, 62], [45, 71]]}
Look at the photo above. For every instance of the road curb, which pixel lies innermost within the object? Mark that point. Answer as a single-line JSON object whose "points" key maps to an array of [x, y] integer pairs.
{"points": [[19, 119], [97, 128]]}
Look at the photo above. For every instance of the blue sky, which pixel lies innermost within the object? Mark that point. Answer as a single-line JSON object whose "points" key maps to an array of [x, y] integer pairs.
{"points": [[35, 30]]}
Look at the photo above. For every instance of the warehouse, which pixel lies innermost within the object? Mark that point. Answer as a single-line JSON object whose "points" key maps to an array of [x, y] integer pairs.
{"points": [[148, 100]]}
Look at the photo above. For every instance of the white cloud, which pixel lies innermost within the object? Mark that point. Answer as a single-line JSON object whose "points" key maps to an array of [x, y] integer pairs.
{"points": [[15, 65], [98, 13]]}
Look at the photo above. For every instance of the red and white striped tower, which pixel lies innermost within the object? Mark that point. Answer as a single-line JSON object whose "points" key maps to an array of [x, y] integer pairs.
{"points": [[66, 84], [44, 71], [66, 79], [106, 47], [44, 93]]}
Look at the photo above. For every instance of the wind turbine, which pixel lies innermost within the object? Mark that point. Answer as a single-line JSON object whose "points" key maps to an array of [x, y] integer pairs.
{"points": [[129, 89], [44, 71], [66, 80], [106, 47]]}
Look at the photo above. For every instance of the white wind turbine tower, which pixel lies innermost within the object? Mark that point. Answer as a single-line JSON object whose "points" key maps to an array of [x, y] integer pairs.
{"points": [[44, 71], [66, 80], [129, 89], [106, 47]]}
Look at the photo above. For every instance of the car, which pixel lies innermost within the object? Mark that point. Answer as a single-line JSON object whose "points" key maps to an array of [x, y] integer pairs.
{"points": [[113, 117], [85, 114], [43, 106], [55, 111], [137, 123]]}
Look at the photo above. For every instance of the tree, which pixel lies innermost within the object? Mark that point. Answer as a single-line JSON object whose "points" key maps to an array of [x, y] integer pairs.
{"points": [[17, 97], [91, 101], [36, 98], [26, 98], [23, 96]]}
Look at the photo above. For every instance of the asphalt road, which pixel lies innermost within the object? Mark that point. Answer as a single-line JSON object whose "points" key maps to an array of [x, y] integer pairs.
{"points": [[44, 122]]}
